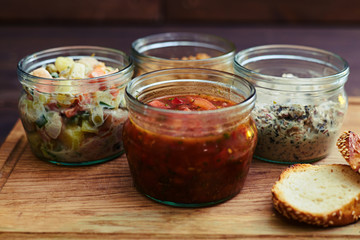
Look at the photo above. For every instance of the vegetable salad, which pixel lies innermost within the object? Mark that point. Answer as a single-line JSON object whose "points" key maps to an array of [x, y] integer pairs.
{"points": [[65, 125]]}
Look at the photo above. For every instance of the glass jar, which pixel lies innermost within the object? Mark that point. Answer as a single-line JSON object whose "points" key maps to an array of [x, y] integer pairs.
{"points": [[74, 121], [182, 50], [301, 100], [189, 158]]}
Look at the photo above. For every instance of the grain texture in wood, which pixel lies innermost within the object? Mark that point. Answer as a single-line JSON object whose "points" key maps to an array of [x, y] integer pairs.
{"points": [[45, 201]]}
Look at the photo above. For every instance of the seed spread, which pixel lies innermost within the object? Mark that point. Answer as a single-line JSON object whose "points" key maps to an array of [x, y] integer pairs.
{"points": [[291, 133]]}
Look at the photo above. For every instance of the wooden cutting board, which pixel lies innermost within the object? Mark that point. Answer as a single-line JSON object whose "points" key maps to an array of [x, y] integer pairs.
{"points": [[44, 201]]}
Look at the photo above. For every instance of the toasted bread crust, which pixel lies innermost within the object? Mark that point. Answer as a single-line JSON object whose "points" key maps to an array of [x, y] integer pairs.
{"points": [[347, 214], [349, 146]]}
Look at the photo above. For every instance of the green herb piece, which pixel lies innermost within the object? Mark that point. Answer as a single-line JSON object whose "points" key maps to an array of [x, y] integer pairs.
{"points": [[105, 105], [226, 135], [55, 75], [85, 115], [41, 121]]}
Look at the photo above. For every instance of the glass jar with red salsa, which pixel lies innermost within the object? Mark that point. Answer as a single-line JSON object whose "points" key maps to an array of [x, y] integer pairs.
{"points": [[189, 138]]}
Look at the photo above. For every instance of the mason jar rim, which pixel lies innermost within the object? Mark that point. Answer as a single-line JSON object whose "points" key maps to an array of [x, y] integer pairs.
{"points": [[169, 37], [174, 71], [283, 80], [50, 51]]}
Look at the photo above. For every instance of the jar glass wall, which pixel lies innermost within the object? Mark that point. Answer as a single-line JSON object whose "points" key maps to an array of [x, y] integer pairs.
{"points": [[74, 121], [301, 100], [181, 50], [189, 158]]}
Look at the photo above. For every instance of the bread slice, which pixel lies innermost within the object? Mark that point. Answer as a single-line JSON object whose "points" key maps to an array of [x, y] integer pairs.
{"points": [[349, 147], [322, 195]]}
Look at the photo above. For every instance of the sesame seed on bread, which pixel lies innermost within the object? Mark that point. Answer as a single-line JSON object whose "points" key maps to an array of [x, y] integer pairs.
{"points": [[349, 147], [322, 195]]}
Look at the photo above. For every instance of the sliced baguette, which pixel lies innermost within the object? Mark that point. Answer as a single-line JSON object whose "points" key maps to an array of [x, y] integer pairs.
{"points": [[349, 147], [322, 195]]}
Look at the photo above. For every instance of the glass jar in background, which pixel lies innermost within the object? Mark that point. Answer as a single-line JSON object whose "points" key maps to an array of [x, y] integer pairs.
{"points": [[182, 50], [301, 101], [69, 119], [189, 158]]}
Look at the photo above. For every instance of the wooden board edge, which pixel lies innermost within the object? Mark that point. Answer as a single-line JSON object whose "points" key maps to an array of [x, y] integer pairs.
{"points": [[11, 151], [354, 100], [79, 236]]}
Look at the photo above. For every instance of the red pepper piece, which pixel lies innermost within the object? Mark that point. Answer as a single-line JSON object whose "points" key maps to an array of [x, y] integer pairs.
{"points": [[177, 101]]}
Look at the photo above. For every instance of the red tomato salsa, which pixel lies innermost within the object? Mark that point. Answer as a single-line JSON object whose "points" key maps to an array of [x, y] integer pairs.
{"points": [[190, 171], [191, 103]]}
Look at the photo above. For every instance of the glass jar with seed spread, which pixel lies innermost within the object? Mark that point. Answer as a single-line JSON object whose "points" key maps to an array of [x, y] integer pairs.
{"points": [[72, 105], [301, 100], [181, 50], [189, 141]]}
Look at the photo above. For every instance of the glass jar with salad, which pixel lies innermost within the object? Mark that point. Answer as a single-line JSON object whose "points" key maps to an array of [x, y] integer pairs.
{"points": [[189, 138], [72, 103], [182, 50], [301, 100]]}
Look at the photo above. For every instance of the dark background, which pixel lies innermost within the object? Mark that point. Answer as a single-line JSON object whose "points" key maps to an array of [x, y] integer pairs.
{"points": [[121, 12], [29, 26]]}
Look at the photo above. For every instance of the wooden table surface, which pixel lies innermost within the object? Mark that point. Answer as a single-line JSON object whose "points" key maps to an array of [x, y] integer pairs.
{"points": [[45, 201], [19, 41]]}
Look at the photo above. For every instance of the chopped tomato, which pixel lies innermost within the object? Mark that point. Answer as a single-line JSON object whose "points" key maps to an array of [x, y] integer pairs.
{"points": [[97, 72], [103, 87], [85, 99], [70, 112], [176, 101], [204, 104], [114, 92], [191, 103], [158, 104], [52, 106], [184, 108]]}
